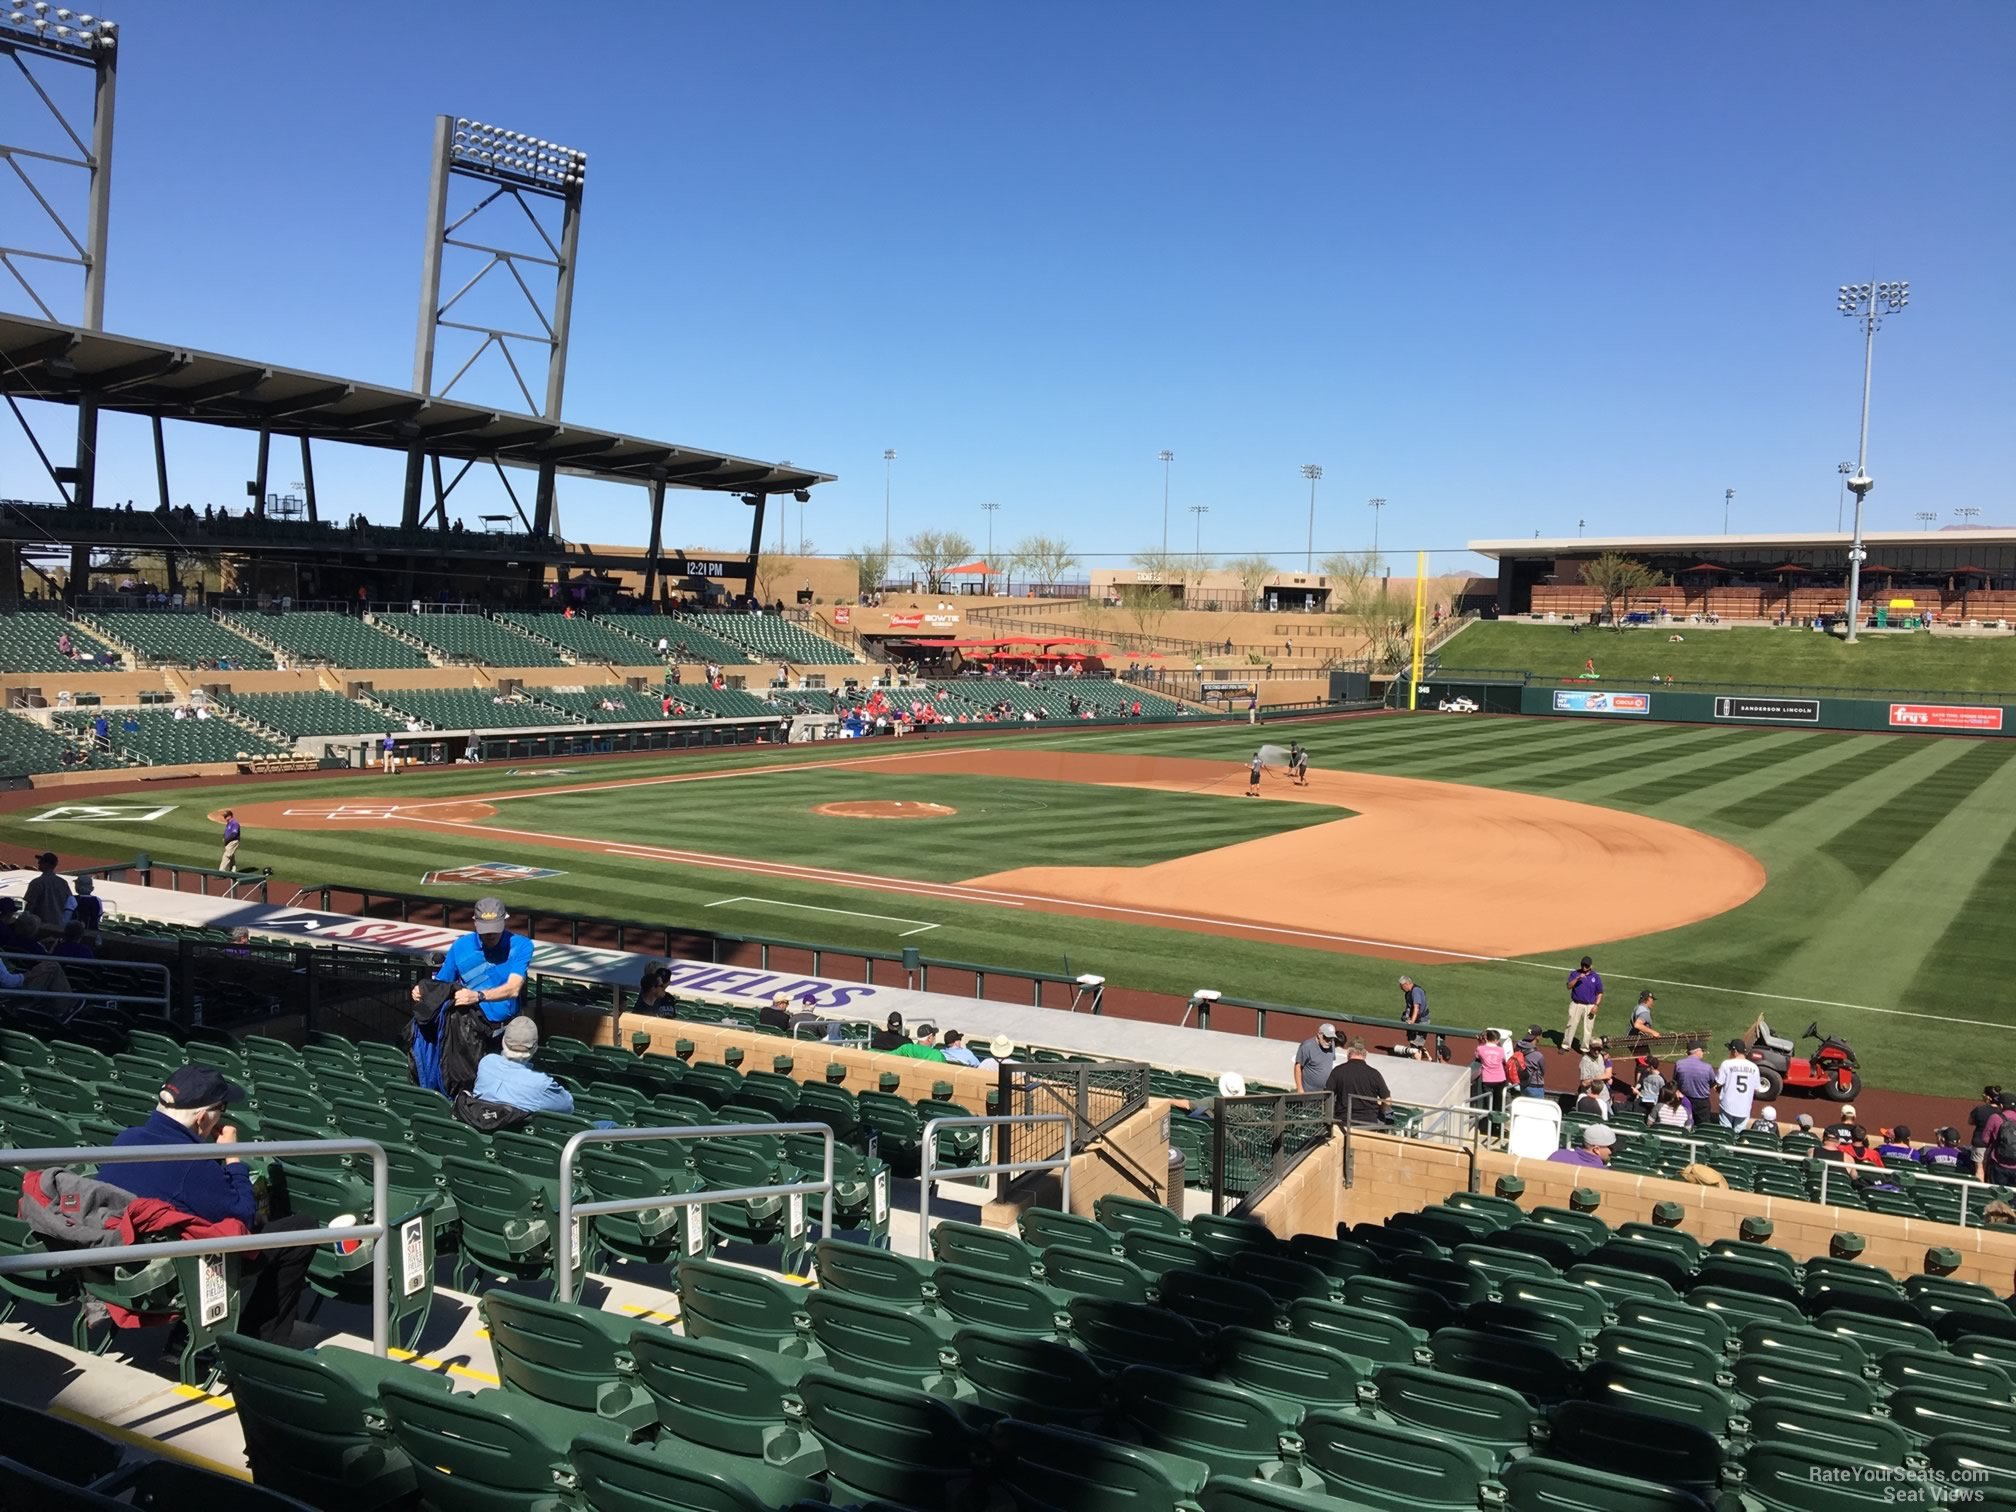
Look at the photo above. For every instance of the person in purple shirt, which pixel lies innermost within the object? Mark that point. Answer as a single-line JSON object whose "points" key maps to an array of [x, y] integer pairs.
{"points": [[1695, 1077], [1598, 1141], [232, 833], [1585, 996]]}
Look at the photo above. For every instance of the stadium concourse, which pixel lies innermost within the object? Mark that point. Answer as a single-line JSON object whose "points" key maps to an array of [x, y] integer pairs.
{"points": [[1389, 1316]]}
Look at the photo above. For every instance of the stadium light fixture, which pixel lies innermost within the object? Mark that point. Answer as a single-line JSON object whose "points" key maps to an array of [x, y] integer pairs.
{"points": [[1968, 513], [1200, 510], [990, 508], [58, 30], [1165, 457], [1377, 506], [1728, 498], [1867, 303], [1847, 471], [888, 476], [526, 160], [1313, 472], [1927, 517]]}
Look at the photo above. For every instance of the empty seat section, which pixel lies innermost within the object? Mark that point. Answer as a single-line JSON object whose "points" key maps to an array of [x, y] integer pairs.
{"points": [[301, 716], [473, 638], [337, 640], [178, 637], [587, 639]]}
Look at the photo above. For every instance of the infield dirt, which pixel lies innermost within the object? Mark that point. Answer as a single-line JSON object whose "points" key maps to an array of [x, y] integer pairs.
{"points": [[1416, 867]]}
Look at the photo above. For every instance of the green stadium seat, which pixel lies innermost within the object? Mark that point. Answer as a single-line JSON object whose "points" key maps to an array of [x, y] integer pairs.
{"points": [[1226, 1236], [1532, 1370], [322, 1191], [312, 1424], [724, 1396], [978, 1248], [1900, 1368], [1876, 1335], [164, 1486], [888, 1443], [55, 1446], [1737, 1308], [1490, 1421], [1826, 1433], [1157, 1254], [1123, 1215], [1365, 1336], [1501, 1265], [1229, 1429], [982, 1299], [1615, 1286], [886, 1341], [1283, 1277], [1038, 1380], [1620, 1441], [1419, 1307], [866, 1271], [1545, 1485], [1118, 1334], [1300, 1372], [506, 1229], [1340, 1259], [1372, 1464], [1095, 1273], [1213, 1302], [566, 1354], [650, 1236], [741, 1306], [1926, 1413], [1780, 1478], [321, 636], [1711, 1328], [1652, 1392], [1043, 1227], [1980, 1463], [1658, 1350], [1044, 1469], [489, 1452], [1758, 1376], [56, 1289]]}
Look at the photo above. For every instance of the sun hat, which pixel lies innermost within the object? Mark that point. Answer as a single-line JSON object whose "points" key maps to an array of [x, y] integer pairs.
{"points": [[1001, 1046], [1231, 1084]]}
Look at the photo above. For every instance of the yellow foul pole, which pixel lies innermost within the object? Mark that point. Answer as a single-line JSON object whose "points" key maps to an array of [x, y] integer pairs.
{"points": [[1420, 621]]}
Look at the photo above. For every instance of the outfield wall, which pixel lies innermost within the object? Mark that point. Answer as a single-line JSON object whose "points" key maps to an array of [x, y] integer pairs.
{"points": [[1934, 715]]}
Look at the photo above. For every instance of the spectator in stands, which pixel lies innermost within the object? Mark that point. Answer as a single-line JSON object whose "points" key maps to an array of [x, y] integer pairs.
{"points": [[652, 996], [1674, 1111], [37, 976], [1650, 1085], [890, 1036], [1596, 1064], [47, 895], [1230, 1084], [1980, 1113], [506, 1074], [75, 945], [1946, 1156], [86, 907], [1998, 1147], [954, 1046], [1897, 1145], [1736, 1082], [776, 1013], [487, 966], [1490, 1060], [999, 1049], [1594, 1101], [1599, 1142], [101, 732], [1533, 1064], [1360, 1093], [1315, 1059], [922, 1047], [1695, 1077], [190, 1110]]}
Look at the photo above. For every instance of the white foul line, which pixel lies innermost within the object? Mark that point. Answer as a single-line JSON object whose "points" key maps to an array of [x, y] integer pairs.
{"points": [[852, 913]]}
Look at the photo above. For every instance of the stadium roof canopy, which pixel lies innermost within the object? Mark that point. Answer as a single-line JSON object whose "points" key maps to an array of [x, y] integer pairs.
{"points": [[1711, 547], [64, 363]]}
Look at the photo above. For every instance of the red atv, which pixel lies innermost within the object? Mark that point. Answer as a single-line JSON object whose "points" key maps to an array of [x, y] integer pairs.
{"points": [[1832, 1070]]}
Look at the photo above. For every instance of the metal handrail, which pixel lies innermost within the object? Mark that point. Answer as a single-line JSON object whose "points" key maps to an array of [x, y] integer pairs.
{"points": [[570, 1210], [377, 1230], [1477, 1118], [928, 1172], [1279, 1102], [1967, 1184], [1202, 1005]]}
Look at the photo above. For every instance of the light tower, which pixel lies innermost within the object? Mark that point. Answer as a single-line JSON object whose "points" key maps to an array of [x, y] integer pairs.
{"points": [[1868, 303], [1377, 506], [1847, 471], [990, 508], [1927, 517], [888, 481], [1165, 457], [1313, 472], [1728, 498], [1199, 510], [535, 174], [1967, 513]]}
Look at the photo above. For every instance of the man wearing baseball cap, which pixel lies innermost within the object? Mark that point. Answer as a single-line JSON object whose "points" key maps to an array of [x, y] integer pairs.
{"points": [[190, 1111], [487, 967], [507, 1076], [1598, 1141], [1315, 1059]]}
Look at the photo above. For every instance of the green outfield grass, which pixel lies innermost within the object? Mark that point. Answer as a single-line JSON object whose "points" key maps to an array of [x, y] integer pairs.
{"points": [[1891, 862], [1918, 662]]}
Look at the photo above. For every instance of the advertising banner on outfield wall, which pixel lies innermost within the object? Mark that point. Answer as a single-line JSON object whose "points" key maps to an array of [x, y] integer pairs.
{"points": [[1768, 710], [1983, 719], [1600, 701]]}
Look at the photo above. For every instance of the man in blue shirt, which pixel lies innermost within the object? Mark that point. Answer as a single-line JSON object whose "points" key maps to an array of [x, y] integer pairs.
{"points": [[1694, 1077], [190, 1111], [487, 966], [507, 1076]]}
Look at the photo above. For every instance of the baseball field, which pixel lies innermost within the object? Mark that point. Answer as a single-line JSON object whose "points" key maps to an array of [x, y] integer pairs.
{"points": [[1866, 881]]}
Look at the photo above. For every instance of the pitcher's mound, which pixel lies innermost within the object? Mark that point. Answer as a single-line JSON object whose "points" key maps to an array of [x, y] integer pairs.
{"points": [[884, 808]]}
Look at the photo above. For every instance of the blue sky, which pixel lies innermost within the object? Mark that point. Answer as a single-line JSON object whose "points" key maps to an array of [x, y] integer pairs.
{"points": [[1508, 267]]}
